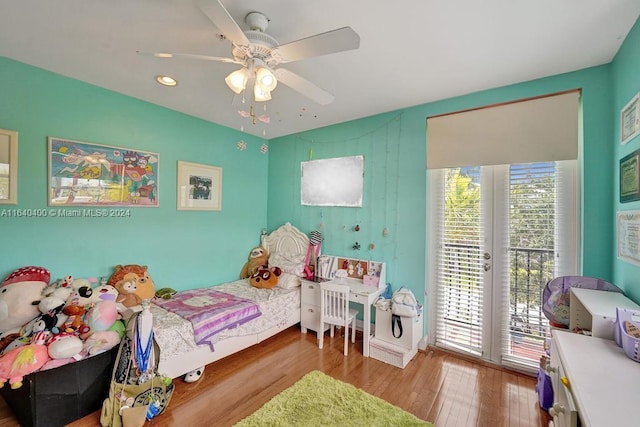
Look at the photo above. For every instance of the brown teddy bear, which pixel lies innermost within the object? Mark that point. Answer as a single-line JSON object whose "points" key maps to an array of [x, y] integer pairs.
{"points": [[265, 277], [133, 282], [258, 257], [127, 288]]}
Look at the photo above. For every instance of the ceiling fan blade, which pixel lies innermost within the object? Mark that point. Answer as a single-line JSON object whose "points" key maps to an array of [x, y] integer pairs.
{"points": [[191, 56], [221, 18], [339, 40], [303, 86]]}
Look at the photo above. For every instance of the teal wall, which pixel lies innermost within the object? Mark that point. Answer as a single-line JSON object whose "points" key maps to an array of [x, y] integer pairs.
{"points": [[183, 249], [626, 83], [394, 146], [189, 249]]}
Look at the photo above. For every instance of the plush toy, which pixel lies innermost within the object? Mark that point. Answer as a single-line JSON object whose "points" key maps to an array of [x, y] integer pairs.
{"points": [[134, 282], [17, 363], [258, 257], [127, 289], [17, 293], [64, 345], [165, 293], [265, 277], [6, 340], [103, 311], [100, 342], [77, 305]]}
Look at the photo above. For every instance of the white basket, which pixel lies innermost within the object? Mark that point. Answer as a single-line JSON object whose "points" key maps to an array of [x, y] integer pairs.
{"points": [[389, 353]]}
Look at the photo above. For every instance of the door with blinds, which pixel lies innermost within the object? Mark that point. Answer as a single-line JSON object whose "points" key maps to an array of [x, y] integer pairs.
{"points": [[499, 230], [499, 234]]}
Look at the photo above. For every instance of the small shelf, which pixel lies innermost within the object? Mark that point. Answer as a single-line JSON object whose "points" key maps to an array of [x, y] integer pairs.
{"points": [[595, 311]]}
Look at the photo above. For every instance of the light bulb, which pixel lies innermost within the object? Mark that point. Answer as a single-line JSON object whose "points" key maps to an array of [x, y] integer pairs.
{"points": [[237, 80], [266, 79]]}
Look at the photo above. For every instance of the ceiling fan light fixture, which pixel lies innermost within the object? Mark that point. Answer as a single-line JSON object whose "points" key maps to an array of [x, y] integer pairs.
{"points": [[237, 80], [259, 94], [266, 79]]}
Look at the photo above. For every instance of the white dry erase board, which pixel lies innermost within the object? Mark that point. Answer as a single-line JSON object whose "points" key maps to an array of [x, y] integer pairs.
{"points": [[332, 182]]}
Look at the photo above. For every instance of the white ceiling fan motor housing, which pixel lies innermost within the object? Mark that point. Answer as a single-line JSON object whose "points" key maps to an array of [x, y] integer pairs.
{"points": [[257, 21]]}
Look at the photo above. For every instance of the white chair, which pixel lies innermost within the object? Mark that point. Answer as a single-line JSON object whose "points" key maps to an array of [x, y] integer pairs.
{"points": [[334, 310]]}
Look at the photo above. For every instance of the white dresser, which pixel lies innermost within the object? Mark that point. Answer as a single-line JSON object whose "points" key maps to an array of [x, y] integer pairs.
{"points": [[310, 309], [604, 384]]}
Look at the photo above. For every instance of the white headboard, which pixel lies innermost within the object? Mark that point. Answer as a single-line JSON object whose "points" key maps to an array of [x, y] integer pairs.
{"points": [[286, 239]]}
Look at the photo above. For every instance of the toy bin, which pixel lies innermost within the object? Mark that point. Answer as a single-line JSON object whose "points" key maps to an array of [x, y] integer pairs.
{"points": [[630, 344], [56, 397]]}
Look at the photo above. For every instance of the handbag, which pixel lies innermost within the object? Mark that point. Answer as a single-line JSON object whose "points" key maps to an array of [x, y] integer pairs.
{"points": [[404, 303], [134, 398]]}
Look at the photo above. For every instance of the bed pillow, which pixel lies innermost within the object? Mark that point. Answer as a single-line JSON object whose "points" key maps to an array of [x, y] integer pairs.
{"points": [[288, 263], [288, 281]]}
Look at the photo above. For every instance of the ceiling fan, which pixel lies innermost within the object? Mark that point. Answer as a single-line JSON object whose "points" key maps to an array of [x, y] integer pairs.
{"points": [[260, 55]]}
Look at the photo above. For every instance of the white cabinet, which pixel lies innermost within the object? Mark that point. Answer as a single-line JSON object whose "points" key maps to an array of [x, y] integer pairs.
{"points": [[595, 311], [310, 309], [602, 382]]}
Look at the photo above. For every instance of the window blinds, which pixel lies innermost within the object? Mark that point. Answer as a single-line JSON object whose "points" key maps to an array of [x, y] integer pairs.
{"points": [[527, 131]]}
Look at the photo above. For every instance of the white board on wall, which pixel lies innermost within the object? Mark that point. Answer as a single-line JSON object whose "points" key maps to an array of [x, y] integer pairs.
{"points": [[332, 182]]}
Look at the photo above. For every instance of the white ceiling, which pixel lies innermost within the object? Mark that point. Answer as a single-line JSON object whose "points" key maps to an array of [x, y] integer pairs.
{"points": [[411, 51]]}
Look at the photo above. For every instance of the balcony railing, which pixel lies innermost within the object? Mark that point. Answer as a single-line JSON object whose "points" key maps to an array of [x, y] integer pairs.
{"points": [[529, 271]]}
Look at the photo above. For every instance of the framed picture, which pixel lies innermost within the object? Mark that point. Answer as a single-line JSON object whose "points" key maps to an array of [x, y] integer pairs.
{"points": [[628, 238], [630, 120], [88, 174], [199, 187], [630, 177], [8, 167]]}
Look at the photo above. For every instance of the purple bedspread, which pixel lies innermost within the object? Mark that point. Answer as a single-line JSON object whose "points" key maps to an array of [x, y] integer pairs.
{"points": [[210, 311]]}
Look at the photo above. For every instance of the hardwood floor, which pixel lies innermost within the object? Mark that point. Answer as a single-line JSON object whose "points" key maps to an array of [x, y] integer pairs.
{"points": [[436, 386]]}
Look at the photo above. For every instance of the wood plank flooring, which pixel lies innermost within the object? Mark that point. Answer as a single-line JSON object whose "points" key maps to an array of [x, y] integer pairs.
{"points": [[436, 386]]}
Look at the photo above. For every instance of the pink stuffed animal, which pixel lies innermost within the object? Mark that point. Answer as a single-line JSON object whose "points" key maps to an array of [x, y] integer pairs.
{"points": [[17, 363]]}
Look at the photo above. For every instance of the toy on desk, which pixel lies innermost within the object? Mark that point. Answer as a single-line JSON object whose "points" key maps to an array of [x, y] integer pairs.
{"points": [[556, 296]]}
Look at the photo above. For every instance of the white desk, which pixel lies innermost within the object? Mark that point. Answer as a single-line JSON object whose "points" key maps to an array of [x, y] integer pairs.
{"points": [[604, 381], [360, 294]]}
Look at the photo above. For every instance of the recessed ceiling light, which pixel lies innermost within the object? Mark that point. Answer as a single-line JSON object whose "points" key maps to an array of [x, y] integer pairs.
{"points": [[166, 81]]}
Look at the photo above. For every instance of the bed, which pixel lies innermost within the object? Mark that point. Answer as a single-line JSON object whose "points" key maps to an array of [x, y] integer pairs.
{"points": [[279, 309]]}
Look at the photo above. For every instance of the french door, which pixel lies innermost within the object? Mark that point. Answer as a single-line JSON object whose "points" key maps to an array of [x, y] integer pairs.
{"points": [[497, 234]]}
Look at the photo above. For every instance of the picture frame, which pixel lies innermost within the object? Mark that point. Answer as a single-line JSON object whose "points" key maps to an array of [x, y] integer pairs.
{"points": [[199, 187], [8, 167], [630, 120], [630, 177], [628, 236], [89, 174]]}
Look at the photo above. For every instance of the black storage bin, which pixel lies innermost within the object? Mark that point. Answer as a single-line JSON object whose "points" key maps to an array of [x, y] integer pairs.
{"points": [[56, 397]]}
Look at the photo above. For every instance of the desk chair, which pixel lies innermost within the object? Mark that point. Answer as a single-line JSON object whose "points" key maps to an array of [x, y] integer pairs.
{"points": [[334, 310]]}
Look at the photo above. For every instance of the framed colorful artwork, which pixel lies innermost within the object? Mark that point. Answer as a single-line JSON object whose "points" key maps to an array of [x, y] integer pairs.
{"points": [[199, 187], [88, 174]]}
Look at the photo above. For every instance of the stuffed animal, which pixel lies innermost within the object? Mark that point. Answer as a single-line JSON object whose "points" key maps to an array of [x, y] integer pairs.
{"points": [[265, 277], [17, 292], [258, 257], [134, 280], [127, 289], [77, 305], [103, 311], [165, 293], [17, 363], [64, 345]]}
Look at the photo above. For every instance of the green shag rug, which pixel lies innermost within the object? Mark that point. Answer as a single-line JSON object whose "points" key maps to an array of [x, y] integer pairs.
{"points": [[319, 400]]}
